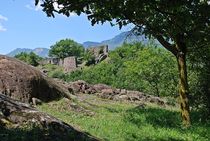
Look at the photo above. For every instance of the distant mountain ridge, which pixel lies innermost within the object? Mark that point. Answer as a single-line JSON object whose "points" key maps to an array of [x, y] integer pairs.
{"points": [[42, 52], [124, 37]]}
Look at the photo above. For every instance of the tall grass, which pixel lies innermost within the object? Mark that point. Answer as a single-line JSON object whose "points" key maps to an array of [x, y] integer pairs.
{"points": [[115, 121]]}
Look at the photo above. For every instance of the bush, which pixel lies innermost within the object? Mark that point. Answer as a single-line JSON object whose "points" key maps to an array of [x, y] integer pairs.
{"points": [[31, 58], [134, 67], [57, 74]]}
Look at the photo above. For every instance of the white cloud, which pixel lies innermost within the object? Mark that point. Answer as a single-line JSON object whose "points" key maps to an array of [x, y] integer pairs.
{"points": [[2, 18], [57, 7], [2, 28], [32, 6]]}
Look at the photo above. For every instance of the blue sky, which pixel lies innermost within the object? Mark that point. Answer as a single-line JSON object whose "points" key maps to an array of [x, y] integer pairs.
{"points": [[24, 26]]}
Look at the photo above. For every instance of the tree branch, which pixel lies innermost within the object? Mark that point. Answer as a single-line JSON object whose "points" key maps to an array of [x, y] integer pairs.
{"points": [[167, 45]]}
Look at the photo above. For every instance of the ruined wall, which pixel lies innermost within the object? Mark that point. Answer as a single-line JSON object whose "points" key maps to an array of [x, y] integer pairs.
{"points": [[69, 64], [103, 49], [54, 61]]}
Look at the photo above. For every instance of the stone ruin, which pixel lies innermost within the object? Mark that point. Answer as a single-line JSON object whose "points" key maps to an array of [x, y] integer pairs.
{"points": [[70, 63], [54, 61], [103, 49], [100, 52]]}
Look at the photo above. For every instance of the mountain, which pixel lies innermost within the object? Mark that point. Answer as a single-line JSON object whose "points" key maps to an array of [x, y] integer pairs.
{"points": [[90, 44], [124, 37], [42, 52]]}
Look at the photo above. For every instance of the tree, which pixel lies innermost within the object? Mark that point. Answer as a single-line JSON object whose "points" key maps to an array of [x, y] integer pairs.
{"points": [[174, 24], [156, 68], [30, 58], [66, 48], [144, 68], [199, 66]]}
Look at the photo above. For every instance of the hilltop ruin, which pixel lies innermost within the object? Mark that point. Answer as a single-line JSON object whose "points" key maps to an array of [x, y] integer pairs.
{"points": [[70, 63]]}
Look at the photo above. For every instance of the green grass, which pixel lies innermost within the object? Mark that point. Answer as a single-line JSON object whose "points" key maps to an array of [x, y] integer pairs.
{"points": [[115, 121], [54, 71]]}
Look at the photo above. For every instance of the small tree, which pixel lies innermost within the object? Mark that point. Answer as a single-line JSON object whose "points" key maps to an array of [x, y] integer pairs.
{"points": [[30, 58], [66, 48]]}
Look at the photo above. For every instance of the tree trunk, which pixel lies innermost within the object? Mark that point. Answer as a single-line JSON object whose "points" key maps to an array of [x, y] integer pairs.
{"points": [[179, 49], [183, 88]]}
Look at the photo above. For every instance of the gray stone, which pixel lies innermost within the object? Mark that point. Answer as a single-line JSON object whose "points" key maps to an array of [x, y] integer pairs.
{"points": [[23, 82], [20, 115], [69, 64]]}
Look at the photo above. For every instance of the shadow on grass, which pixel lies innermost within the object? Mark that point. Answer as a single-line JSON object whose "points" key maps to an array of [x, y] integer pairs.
{"points": [[38, 134], [155, 116], [163, 119]]}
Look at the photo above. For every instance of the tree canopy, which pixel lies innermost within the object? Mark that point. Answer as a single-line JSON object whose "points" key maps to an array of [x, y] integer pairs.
{"points": [[163, 19], [30, 58], [177, 25], [65, 48]]}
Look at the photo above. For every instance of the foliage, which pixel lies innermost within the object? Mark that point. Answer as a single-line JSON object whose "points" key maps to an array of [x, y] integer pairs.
{"points": [[54, 71], [89, 58], [30, 58], [66, 48], [163, 19], [117, 121], [57, 74], [199, 70], [137, 67], [175, 24]]}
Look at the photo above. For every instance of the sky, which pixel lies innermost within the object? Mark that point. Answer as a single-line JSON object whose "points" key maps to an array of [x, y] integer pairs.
{"points": [[22, 25]]}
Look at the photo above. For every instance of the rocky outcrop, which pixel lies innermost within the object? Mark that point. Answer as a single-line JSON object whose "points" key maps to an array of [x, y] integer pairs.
{"points": [[107, 92], [23, 82], [16, 115]]}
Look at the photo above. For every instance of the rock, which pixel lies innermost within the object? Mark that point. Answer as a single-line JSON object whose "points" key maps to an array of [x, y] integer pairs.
{"points": [[75, 87], [36, 101], [121, 98], [21, 115], [133, 95], [156, 100], [117, 91], [45, 71], [90, 90], [23, 82], [107, 93], [123, 91], [100, 87], [81, 86]]}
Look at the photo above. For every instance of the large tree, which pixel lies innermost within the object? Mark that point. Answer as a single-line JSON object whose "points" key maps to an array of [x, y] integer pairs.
{"points": [[65, 48], [174, 23]]}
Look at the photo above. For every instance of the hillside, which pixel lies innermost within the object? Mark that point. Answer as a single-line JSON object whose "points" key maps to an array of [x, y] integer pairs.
{"points": [[123, 121], [124, 37], [42, 52]]}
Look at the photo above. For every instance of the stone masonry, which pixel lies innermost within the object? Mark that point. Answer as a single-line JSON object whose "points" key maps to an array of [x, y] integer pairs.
{"points": [[69, 64], [103, 49]]}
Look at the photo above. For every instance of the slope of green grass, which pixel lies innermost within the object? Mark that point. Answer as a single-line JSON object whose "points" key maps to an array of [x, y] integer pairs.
{"points": [[116, 121]]}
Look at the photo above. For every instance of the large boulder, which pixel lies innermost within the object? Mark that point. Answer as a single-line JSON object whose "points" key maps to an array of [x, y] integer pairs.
{"points": [[16, 117], [23, 82]]}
